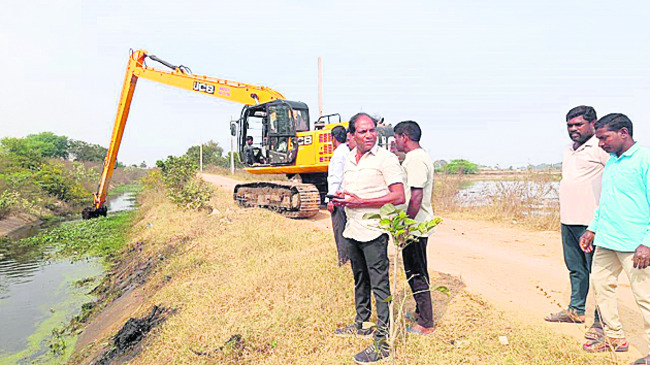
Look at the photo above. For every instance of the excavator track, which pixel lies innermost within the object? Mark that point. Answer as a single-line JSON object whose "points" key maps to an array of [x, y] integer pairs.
{"points": [[293, 200]]}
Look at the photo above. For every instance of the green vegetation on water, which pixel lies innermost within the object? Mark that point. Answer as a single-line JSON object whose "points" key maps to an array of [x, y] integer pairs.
{"points": [[54, 337], [101, 237], [132, 187]]}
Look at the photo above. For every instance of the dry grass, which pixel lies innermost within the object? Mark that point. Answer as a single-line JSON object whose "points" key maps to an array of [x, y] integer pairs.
{"points": [[274, 282], [523, 200]]}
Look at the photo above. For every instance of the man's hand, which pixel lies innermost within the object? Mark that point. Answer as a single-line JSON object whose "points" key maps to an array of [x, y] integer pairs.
{"points": [[330, 206], [586, 241], [351, 200], [641, 257]]}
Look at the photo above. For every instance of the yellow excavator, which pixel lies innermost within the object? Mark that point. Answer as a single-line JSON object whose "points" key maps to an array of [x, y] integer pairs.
{"points": [[285, 144]]}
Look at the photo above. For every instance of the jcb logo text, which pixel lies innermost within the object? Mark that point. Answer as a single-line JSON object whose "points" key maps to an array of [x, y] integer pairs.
{"points": [[203, 87]]}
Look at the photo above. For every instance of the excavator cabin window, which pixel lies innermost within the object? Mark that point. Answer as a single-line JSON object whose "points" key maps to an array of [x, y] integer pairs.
{"points": [[274, 126]]}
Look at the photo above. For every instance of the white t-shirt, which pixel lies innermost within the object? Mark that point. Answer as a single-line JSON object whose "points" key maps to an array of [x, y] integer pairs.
{"points": [[418, 172]]}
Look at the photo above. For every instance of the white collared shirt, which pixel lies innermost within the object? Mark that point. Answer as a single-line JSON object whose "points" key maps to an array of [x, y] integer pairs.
{"points": [[336, 167]]}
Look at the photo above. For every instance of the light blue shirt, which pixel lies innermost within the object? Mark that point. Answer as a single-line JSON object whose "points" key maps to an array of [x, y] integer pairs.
{"points": [[622, 220], [336, 167]]}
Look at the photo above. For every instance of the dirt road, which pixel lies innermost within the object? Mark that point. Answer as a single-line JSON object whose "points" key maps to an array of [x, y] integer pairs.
{"points": [[521, 272]]}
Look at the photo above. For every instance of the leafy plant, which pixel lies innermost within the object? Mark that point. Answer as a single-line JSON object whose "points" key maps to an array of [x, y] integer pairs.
{"points": [[7, 200], [403, 230], [178, 176]]}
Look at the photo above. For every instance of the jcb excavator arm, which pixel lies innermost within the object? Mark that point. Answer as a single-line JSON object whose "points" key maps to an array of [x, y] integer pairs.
{"points": [[181, 77]]}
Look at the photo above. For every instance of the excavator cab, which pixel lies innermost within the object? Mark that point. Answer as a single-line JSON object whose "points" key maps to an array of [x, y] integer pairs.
{"points": [[267, 132]]}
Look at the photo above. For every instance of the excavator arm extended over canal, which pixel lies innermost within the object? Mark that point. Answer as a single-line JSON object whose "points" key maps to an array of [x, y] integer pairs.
{"points": [[285, 127]]}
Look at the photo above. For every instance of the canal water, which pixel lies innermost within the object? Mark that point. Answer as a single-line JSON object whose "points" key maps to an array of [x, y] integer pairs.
{"points": [[38, 295]]}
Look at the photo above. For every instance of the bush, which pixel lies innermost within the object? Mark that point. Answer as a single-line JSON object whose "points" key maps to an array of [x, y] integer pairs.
{"points": [[177, 171], [7, 200], [183, 188], [61, 183], [460, 167], [194, 195]]}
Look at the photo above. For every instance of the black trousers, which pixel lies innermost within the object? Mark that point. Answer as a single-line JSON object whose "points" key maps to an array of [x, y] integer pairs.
{"points": [[579, 264], [369, 262], [415, 266], [338, 226]]}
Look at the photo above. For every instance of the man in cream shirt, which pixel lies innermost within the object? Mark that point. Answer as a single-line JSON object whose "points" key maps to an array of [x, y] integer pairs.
{"points": [[372, 177], [582, 169]]}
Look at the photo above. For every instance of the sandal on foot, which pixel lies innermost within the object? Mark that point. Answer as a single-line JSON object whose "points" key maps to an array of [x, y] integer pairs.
{"points": [[642, 361], [565, 316], [595, 332], [606, 344], [421, 330]]}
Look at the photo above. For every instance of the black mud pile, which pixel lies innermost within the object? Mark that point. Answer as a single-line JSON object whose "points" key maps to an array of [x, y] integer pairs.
{"points": [[126, 343], [132, 270]]}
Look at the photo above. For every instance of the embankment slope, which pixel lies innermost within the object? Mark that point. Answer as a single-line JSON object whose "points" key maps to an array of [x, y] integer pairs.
{"points": [[248, 286]]}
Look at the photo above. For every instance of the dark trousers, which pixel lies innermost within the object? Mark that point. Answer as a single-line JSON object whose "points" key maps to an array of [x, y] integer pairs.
{"points": [[338, 226], [415, 267], [579, 264], [369, 262]]}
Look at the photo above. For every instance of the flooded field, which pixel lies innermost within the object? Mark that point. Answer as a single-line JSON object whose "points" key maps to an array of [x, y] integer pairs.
{"points": [[476, 193]]}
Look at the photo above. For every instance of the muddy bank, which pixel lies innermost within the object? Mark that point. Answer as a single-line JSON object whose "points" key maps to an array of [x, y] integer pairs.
{"points": [[112, 333], [17, 226]]}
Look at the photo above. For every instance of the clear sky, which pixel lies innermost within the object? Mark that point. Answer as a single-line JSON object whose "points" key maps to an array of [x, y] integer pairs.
{"points": [[489, 81]]}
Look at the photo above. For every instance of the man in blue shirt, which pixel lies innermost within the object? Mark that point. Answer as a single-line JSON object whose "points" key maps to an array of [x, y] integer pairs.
{"points": [[620, 231], [334, 181]]}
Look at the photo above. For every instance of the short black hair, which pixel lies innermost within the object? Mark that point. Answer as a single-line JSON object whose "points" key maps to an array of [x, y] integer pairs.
{"points": [[409, 128], [587, 112], [340, 134], [353, 121], [249, 138], [615, 122]]}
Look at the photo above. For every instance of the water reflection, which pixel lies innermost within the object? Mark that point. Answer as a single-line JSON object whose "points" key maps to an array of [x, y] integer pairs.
{"points": [[121, 202]]}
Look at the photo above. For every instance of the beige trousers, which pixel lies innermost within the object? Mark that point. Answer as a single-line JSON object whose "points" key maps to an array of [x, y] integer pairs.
{"points": [[606, 267]]}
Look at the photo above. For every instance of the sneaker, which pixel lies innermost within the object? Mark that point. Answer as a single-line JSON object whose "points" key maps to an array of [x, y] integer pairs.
{"points": [[354, 330], [373, 354], [420, 330]]}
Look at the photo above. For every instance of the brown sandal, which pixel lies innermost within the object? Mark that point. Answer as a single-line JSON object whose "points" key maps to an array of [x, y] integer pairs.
{"points": [[565, 316]]}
